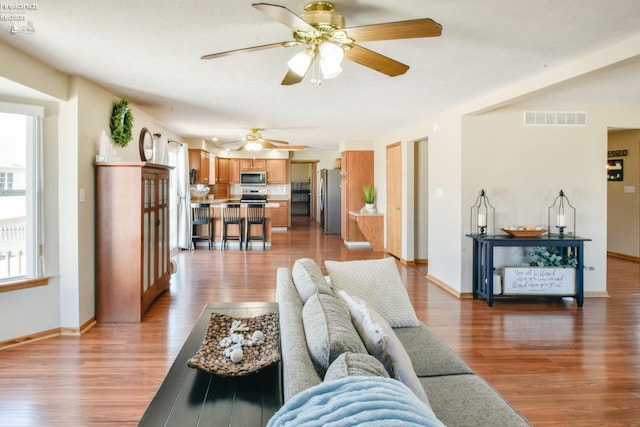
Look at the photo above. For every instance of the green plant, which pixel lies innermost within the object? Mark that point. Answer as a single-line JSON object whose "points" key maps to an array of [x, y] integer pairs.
{"points": [[552, 257], [369, 192]]}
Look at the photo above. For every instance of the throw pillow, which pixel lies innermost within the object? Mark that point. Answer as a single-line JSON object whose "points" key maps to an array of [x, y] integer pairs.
{"points": [[355, 364], [383, 343], [328, 330], [308, 279], [378, 283]]}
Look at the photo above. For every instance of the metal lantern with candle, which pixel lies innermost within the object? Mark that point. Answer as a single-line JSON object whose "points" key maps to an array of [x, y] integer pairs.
{"points": [[482, 214], [564, 215]]}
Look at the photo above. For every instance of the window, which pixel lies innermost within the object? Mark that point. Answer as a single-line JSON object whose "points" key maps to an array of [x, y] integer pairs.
{"points": [[20, 193], [6, 181]]}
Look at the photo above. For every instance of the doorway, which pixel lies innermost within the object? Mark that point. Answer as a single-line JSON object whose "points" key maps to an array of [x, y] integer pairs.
{"points": [[623, 194], [304, 190]]}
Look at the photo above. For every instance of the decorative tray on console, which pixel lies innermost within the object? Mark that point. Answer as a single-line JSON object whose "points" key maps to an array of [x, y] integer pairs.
{"points": [[523, 232]]}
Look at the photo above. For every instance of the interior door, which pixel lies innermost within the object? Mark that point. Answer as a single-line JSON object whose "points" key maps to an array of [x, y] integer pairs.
{"points": [[394, 200]]}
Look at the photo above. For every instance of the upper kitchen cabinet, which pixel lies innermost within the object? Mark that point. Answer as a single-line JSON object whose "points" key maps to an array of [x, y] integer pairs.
{"points": [[248, 165], [199, 162], [234, 171], [221, 173], [277, 171]]}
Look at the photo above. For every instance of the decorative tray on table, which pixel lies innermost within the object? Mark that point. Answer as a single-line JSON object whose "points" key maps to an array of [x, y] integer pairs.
{"points": [[523, 232]]}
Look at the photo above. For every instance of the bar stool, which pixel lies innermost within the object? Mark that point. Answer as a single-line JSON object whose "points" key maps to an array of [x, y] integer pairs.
{"points": [[256, 217], [201, 220], [231, 216]]}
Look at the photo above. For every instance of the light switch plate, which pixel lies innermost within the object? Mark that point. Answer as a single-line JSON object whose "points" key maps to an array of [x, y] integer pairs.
{"points": [[629, 189]]}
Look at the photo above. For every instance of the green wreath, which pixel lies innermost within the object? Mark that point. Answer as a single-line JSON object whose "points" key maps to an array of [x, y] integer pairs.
{"points": [[121, 123]]}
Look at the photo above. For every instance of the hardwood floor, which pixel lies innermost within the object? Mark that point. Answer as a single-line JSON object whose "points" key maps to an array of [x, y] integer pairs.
{"points": [[557, 364]]}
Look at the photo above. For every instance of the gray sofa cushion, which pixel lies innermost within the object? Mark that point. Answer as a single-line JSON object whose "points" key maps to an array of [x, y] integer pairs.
{"points": [[468, 400], [355, 364], [328, 329], [298, 371], [378, 283], [430, 355], [308, 279]]}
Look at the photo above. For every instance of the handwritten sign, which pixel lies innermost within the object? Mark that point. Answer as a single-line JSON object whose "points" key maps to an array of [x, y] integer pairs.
{"points": [[539, 281]]}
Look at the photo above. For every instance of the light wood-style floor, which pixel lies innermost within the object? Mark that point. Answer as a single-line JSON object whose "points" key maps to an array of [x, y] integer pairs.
{"points": [[557, 364]]}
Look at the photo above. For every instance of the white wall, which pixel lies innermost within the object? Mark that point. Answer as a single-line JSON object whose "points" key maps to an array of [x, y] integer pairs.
{"points": [[71, 132], [523, 168]]}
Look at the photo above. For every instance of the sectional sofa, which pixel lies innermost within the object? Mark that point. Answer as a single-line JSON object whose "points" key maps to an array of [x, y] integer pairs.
{"points": [[312, 330]]}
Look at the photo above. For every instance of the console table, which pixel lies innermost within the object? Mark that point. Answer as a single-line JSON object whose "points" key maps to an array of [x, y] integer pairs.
{"points": [[190, 397], [483, 246]]}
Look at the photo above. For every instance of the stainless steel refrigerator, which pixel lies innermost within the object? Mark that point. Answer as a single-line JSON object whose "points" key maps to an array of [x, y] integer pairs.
{"points": [[330, 201]]}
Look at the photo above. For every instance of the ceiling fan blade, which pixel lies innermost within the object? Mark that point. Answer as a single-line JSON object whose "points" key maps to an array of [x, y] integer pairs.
{"points": [[268, 146], [414, 28], [276, 141], [285, 16], [375, 61], [247, 49], [241, 147]]}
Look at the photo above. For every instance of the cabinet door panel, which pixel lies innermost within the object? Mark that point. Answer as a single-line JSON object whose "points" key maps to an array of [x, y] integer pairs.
{"points": [[222, 170], [277, 171], [234, 171]]}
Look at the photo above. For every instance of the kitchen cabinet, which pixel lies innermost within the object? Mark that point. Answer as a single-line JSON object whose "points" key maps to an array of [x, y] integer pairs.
{"points": [[132, 239], [249, 165], [234, 171], [280, 215], [218, 170], [222, 170], [199, 161], [277, 171], [356, 172]]}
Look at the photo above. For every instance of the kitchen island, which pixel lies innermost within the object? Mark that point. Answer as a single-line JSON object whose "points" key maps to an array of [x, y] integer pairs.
{"points": [[216, 216]]}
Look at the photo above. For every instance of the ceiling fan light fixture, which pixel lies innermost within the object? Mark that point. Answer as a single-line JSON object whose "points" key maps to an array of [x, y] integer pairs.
{"points": [[301, 61], [253, 146], [331, 55]]}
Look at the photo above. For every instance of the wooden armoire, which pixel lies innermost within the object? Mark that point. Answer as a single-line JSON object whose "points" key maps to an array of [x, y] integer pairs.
{"points": [[132, 238], [356, 172]]}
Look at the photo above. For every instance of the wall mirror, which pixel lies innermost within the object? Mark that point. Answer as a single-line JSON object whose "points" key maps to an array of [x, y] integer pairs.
{"points": [[146, 145]]}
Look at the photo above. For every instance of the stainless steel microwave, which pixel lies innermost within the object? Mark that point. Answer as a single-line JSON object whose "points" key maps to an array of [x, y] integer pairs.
{"points": [[253, 178]]}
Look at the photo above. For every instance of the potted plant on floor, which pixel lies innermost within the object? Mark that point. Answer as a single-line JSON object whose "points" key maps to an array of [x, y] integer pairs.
{"points": [[369, 192]]}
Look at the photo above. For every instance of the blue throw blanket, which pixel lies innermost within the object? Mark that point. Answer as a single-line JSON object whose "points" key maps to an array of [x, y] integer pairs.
{"points": [[355, 401]]}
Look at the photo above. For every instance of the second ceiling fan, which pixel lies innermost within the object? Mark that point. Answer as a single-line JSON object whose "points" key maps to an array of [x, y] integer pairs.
{"points": [[254, 141], [322, 31]]}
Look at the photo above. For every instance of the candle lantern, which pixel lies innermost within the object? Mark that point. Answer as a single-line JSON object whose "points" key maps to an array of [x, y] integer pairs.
{"points": [[483, 215], [562, 215]]}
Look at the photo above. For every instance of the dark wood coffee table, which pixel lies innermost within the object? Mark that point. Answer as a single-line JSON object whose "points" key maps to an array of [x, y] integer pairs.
{"points": [[190, 397]]}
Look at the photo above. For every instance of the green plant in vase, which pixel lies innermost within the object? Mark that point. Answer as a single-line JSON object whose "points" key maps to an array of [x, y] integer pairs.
{"points": [[369, 192]]}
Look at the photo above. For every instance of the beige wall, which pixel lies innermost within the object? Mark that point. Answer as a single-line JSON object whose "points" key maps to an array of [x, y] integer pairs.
{"points": [[523, 168], [73, 123], [623, 207]]}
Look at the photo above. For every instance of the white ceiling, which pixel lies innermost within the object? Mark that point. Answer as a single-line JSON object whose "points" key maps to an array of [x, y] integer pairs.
{"points": [[149, 51]]}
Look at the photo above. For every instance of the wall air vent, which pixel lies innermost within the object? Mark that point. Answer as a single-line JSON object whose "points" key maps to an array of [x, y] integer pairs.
{"points": [[555, 118]]}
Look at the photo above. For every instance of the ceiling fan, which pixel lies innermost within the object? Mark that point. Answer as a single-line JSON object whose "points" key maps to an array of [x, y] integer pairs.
{"points": [[254, 141], [322, 31]]}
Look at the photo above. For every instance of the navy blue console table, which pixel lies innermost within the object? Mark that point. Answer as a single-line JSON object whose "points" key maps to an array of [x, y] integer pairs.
{"points": [[483, 259]]}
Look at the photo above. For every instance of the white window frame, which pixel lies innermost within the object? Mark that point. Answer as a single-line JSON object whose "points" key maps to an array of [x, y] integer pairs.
{"points": [[34, 233]]}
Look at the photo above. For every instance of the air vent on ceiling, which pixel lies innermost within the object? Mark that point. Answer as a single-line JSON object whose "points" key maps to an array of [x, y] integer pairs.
{"points": [[555, 118]]}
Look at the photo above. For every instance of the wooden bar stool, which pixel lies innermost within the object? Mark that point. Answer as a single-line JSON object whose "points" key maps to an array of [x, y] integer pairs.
{"points": [[255, 216], [201, 224], [231, 216]]}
